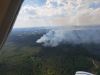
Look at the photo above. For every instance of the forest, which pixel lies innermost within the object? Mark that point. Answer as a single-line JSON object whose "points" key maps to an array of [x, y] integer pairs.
{"points": [[22, 56]]}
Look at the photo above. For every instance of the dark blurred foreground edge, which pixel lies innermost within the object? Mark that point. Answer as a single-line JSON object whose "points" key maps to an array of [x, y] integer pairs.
{"points": [[8, 12]]}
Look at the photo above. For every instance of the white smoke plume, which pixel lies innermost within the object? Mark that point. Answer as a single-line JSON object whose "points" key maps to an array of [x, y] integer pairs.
{"points": [[75, 36]]}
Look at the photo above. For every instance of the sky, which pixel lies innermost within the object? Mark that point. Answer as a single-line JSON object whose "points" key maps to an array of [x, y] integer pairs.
{"points": [[37, 13]]}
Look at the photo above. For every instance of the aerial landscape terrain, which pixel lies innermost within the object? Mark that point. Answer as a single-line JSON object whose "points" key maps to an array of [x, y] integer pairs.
{"points": [[51, 51], [53, 37]]}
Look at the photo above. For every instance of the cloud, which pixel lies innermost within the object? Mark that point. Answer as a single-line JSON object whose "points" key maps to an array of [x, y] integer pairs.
{"points": [[60, 12]]}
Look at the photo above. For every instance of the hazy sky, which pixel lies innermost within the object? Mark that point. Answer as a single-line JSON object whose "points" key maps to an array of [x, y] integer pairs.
{"points": [[58, 12]]}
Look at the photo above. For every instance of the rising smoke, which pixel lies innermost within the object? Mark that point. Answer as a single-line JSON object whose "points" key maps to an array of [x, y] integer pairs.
{"points": [[75, 36]]}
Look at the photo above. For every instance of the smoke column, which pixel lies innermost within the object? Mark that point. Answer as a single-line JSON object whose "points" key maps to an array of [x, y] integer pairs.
{"points": [[75, 36]]}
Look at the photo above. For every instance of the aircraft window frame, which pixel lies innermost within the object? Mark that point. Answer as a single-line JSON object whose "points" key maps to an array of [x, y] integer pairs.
{"points": [[9, 17]]}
